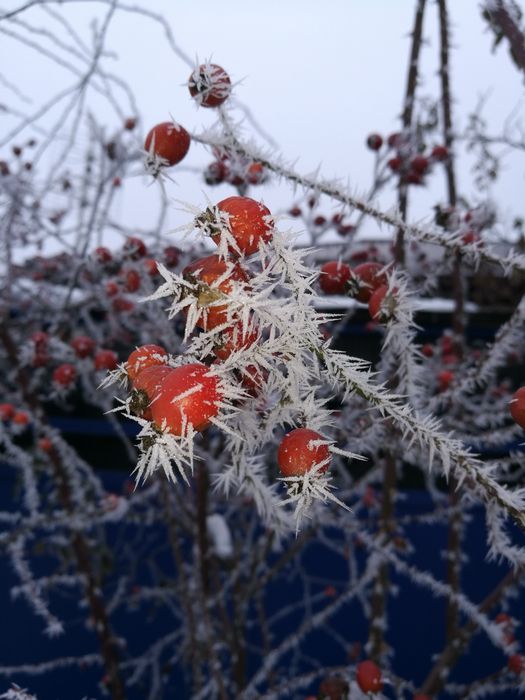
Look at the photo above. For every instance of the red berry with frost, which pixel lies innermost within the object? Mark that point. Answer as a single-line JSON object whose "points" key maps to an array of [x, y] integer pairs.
{"points": [[255, 174], [131, 280], [395, 164], [190, 395], [375, 304], [445, 379], [83, 345], [394, 140], [45, 445], [369, 277], [166, 145], [102, 255], [112, 288], [106, 359], [171, 256], [210, 85], [145, 356], [123, 305], [301, 450], [214, 278], [248, 222], [368, 677], [216, 173], [134, 248], [374, 142], [440, 153], [419, 164], [517, 406], [7, 411], [235, 338], [21, 418], [40, 340], [516, 664], [151, 267], [64, 374], [334, 277]]}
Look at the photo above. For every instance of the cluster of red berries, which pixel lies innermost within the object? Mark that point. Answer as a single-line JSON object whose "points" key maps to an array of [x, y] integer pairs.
{"points": [[8, 413], [234, 169], [176, 398], [320, 222], [128, 270], [190, 395], [469, 224], [168, 143], [515, 662], [410, 164], [368, 677], [367, 283], [65, 374], [17, 165]]}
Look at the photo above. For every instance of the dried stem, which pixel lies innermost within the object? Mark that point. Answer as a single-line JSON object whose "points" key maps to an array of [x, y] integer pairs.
{"points": [[81, 550], [408, 111]]}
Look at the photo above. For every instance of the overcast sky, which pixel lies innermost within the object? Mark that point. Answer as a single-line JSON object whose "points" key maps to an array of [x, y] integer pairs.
{"points": [[318, 76]]}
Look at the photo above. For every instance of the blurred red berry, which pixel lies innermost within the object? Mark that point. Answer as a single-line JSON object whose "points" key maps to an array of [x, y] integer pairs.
{"points": [[445, 379], [132, 280], [439, 153], [216, 173], [374, 142], [103, 255], [7, 411], [395, 164], [419, 164], [517, 406], [334, 277], [516, 664], [106, 359], [171, 256], [21, 418], [64, 374], [368, 677], [134, 248], [83, 345]]}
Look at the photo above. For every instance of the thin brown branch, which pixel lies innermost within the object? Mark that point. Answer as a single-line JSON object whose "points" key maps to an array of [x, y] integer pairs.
{"points": [[81, 550], [407, 115], [507, 26], [456, 647]]}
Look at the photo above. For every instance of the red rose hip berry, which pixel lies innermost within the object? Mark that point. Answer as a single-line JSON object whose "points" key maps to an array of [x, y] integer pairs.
{"points": [[374, 142], [247, 221], [145, 356], [166, 145], [64, 374], [190, 395], [83, 346], [210, 85], [517, 407], [106, 359], [369, 277], [334, 277], [300, 451], [368, 677]]}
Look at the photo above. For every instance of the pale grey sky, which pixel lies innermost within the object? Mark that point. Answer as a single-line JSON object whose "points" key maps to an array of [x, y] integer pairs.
{"points": [[317, 76]]}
